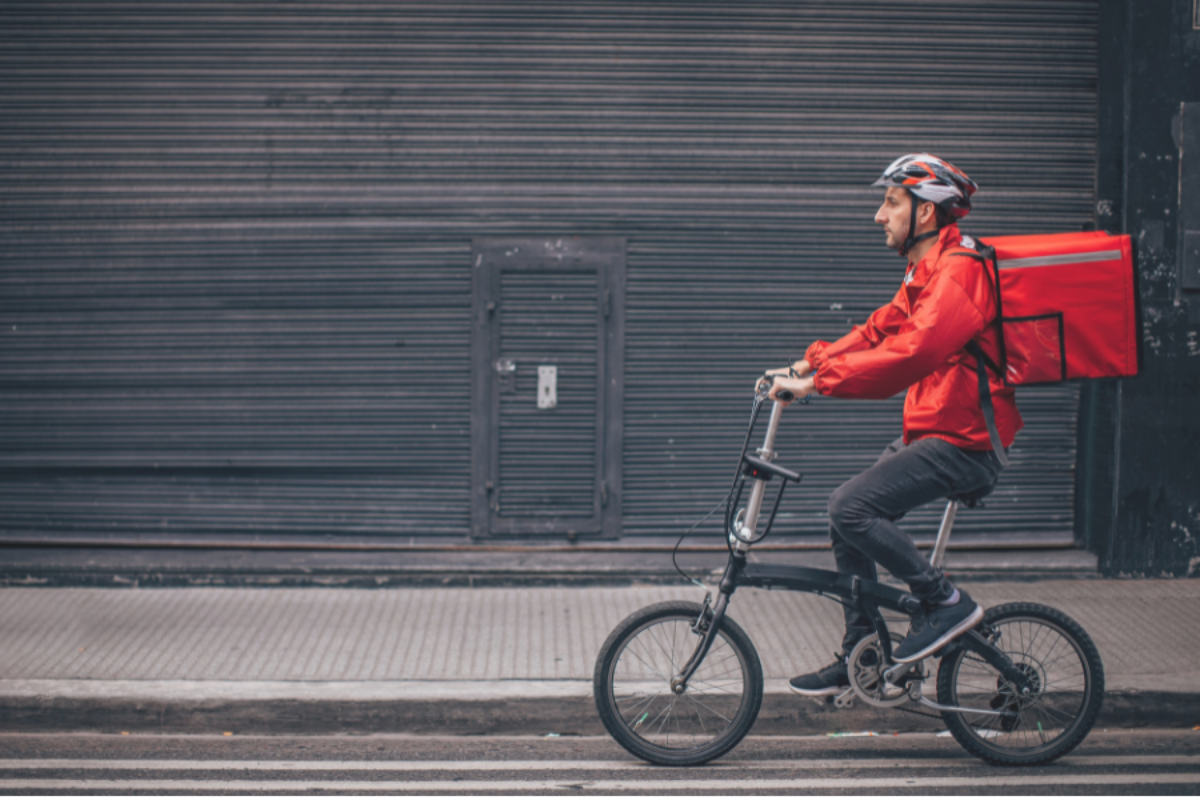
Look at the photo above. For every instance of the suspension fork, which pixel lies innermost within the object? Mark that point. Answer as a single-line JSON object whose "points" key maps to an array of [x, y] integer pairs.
{"points": [[729, 581]]}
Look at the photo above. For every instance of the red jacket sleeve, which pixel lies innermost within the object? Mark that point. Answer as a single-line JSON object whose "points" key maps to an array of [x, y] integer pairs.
{"points": [[953, 307], [882, 323]]}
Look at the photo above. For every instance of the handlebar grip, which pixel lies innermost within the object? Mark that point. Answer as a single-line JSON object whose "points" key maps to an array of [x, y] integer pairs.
{"points": [[786, 395]]}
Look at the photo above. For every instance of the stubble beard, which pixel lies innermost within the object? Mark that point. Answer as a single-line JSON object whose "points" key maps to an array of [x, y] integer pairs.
{"points": [[893, 239]]}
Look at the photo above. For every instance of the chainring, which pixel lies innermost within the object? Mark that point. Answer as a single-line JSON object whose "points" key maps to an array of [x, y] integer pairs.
{"points": [[866, 669]]}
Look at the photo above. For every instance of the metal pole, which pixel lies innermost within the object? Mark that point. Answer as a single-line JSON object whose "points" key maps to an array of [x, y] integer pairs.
{"points": [[767, 451], [943, 538]]}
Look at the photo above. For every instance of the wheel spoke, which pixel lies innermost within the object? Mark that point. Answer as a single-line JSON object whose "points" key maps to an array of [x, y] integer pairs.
{"points": [[643, 704], [715, 688], [670, 656], [1045, 724], [712, 708], [649, 666], [699, 716]]}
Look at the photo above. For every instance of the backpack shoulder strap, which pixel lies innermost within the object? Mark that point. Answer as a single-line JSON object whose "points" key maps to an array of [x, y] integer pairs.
{"points": [[986, 255], [987, 258], [966, 251], [985, 398]]}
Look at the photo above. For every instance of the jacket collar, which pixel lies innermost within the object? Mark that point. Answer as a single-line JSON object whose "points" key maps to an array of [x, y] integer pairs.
{"points": [[948, 238]]}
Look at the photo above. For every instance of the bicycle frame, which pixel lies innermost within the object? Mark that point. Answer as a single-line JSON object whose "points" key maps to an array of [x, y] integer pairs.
{"points": [[866, 595]]}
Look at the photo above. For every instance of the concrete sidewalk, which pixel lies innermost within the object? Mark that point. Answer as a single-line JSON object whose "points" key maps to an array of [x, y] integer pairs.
{"points": [[482, 660]]}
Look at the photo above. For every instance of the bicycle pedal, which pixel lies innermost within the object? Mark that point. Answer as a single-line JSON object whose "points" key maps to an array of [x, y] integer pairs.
{"points": [[845, 699]]}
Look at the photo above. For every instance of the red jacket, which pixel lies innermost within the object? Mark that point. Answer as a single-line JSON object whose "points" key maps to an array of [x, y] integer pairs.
{"points": [[916, 343]]}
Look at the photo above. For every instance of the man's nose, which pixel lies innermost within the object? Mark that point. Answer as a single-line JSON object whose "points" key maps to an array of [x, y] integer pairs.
{"points": [[879, 217]]}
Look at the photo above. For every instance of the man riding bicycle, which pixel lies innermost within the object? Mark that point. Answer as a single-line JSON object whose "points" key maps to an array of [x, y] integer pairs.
{"points": [[920, 341]]}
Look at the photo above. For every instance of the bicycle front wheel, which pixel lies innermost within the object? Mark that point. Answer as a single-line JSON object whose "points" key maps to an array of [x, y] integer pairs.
{"points": [[632, 686], [1064, 668]]}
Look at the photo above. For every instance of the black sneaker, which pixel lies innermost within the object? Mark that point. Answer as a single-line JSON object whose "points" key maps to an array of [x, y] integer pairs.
{"points": [[833, 679], [932, 629]]}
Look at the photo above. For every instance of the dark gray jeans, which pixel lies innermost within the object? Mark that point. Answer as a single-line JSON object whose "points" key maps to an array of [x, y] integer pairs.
{"points": [[863, 513]]}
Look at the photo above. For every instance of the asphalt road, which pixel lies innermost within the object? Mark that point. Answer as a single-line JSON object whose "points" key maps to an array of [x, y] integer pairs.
{"points": [[1108, 762]]}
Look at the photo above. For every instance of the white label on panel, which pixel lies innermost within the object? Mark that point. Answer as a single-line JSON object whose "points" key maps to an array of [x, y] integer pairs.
{"points": [[547, 387]]}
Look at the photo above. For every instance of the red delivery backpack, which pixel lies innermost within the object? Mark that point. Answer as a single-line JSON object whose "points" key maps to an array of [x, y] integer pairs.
{"points": [[1067, 310]]}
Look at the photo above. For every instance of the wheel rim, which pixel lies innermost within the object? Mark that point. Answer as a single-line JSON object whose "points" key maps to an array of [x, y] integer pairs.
{"points": [[640, 689], [1061, 679]]}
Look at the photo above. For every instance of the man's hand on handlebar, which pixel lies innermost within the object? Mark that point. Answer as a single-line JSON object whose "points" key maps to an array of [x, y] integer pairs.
{"points": [[787, 390], [788, 384], [799, 369]]}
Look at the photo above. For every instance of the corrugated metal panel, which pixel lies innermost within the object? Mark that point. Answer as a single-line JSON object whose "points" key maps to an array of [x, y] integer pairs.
{"points": [[235, 237], [547, 458]]}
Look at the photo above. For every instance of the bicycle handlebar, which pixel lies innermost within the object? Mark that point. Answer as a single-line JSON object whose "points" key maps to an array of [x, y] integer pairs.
{"points": [[784, 395]]}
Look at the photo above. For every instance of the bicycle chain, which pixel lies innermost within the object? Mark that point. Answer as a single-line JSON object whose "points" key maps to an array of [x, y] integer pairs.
{"points": [[926, 713], [929, 714], [918, 713]]}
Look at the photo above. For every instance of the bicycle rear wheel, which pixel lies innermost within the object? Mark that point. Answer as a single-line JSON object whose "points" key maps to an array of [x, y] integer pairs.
{"points": [[1062, 664], [632, 687]]}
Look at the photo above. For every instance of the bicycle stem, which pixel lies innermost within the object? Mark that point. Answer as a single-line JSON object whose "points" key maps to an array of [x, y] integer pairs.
{"points": [[758, 490]]}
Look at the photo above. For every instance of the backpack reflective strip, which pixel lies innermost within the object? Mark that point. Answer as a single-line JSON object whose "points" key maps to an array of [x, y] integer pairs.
{"points": [[1058, 261]]}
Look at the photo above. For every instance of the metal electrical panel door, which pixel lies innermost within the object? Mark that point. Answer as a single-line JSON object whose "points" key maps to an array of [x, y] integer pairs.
{"points": [[546, 407]]}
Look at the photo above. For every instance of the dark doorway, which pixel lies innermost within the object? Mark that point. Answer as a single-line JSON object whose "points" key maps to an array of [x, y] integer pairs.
{"points": [[547, 352]]}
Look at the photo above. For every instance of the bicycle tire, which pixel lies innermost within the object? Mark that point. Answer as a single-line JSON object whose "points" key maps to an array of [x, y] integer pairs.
{"points": [[1068, 676], [631, 685]]}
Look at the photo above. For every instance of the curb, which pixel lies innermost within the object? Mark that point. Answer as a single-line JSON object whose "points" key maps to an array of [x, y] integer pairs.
{"points": [[465, 566], [497, 708]]}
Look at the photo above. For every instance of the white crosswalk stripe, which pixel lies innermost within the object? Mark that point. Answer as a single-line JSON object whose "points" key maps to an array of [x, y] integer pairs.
{"points": [[754, 785], [882, 773], [897, 762]]}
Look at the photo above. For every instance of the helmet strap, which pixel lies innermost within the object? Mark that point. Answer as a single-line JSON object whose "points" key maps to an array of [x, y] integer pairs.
{"points": [[910, 240]]}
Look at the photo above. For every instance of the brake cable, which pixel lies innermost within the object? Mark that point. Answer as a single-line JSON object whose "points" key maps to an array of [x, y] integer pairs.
{"points": [[758, 401]]}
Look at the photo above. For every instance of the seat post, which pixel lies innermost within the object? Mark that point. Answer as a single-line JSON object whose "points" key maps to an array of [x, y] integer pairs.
{"points": [[943, 538]]}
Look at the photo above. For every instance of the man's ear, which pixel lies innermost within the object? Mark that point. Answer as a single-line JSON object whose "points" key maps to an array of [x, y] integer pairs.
{"points": [[926, 212]]}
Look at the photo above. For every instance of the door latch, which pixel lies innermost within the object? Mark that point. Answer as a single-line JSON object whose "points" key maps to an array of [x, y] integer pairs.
{"points": [[506, 369], [547, 391]]}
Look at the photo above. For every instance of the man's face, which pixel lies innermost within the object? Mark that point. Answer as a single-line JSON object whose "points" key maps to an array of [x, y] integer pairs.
{"points": [[894, 215]]}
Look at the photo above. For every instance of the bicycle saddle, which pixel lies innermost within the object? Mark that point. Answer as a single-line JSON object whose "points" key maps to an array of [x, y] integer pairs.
{"points": [[971, 499]]}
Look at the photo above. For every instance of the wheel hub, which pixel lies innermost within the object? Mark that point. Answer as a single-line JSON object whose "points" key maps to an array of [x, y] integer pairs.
{"points": [[1013, 702]]}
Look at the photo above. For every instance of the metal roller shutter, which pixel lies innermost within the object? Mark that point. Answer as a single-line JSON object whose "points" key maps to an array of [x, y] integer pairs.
{"points": [[565, 485], [235, 238]]}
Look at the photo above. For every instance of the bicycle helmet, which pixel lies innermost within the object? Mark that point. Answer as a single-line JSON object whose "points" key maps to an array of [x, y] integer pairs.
{"points": [[929, 178]]}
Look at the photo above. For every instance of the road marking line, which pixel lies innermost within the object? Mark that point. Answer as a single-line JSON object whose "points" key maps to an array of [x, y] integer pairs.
{"points": [[891, 762], [455, 766], [516, 787]]}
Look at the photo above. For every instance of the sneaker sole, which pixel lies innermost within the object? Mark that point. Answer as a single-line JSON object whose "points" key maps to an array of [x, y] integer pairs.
{"points": [[974, 619], [819, 692]]}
